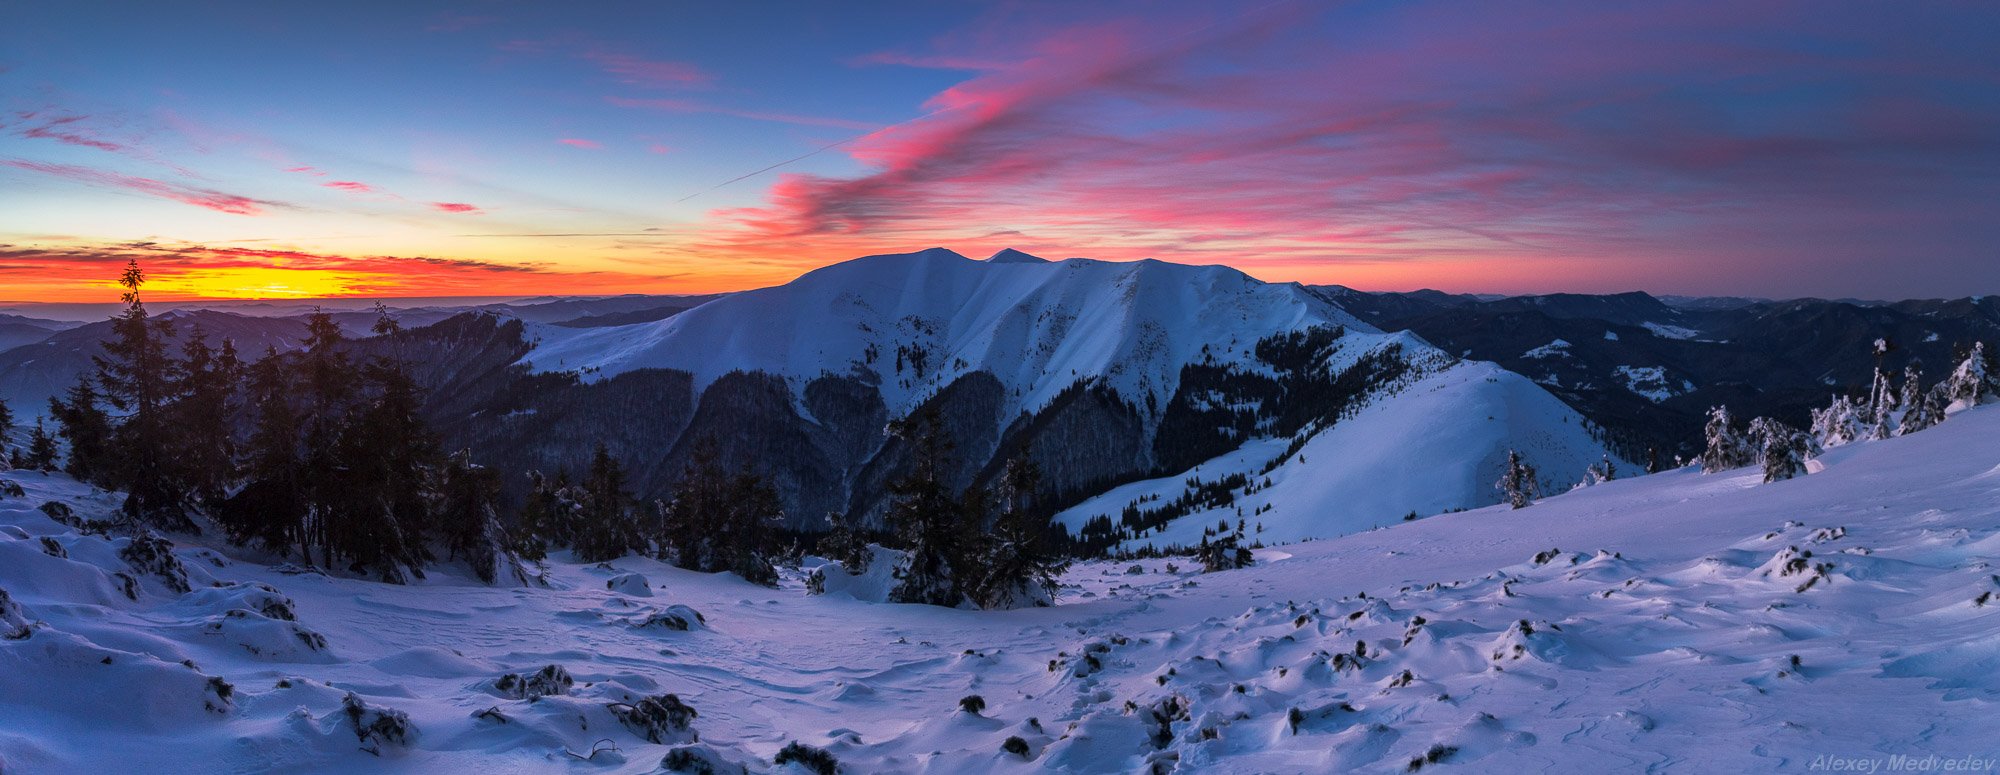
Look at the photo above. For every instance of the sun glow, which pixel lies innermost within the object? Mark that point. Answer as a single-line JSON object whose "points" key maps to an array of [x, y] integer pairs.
{"points": [[255, 282]]}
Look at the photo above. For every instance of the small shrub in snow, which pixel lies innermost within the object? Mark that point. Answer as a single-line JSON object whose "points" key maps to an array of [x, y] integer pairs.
{"points": [[14, 624], [696, 760], [53, 548], [1437, 753], [1016, 746], [550, 680], [815, 759], [376, 727], [657, 719], [1980, 601], [12, 489], [629, 584], [221, 696], [149, 553], [61, 512], [972, 703], [678, 618]]}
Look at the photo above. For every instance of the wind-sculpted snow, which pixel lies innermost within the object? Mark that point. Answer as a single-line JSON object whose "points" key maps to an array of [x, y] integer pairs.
{"points": [[1658, 623]]}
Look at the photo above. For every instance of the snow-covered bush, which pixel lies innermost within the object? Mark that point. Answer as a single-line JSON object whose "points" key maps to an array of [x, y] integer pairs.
{"points": [[14, 624], [550, 680], [631, 584], [149, 553], [678, 618], [660, 719], [376, 726], [816, 760]]}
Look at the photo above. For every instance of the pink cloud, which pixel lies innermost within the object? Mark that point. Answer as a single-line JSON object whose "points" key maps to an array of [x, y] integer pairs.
{"points": [[306, 170], [573, 142], [659, 148], [199, 197], [70, 130], [350, 186], [1288, 142], [647, 73], [455, 207]]}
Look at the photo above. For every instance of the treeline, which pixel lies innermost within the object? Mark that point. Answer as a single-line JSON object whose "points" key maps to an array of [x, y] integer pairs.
{"points": [[325, 457], [985, 545]]}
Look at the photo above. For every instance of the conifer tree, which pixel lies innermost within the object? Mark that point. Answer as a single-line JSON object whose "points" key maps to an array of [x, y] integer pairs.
{"points": [[86, 429], [1970, 383], [467, 518], [1782, 450], [1726, 448], [926, 519], [272, 505], [1920, 409], [202, 414], [138, 375], [548, 516], [1019, 565], [606, 528], [6, 421], [1517, 484], [41, 454], [843, 544]]}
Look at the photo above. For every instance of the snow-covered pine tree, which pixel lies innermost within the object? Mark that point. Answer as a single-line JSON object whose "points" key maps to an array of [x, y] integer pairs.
{"points": [[1839, 423], [1883, 402], [6, 422], [1781, 449], [1517, 484], [1726, 447], [1970, 384], [1020, 567], [1598, 473], [1920, 410]]}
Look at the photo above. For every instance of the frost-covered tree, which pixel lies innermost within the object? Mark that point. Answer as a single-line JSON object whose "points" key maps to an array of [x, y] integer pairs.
{"points": [[1781, 448], [1727, 448], [1970, 384], [1517, 484], [1839, 423], [1920, 409], [1598, 473]]}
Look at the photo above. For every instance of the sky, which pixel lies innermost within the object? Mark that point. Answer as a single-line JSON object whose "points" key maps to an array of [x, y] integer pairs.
{"points": [[284, 150]]}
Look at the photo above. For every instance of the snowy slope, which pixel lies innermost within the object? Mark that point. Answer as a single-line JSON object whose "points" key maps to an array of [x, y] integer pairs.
{"points": [[1657, 623], [1438, 444], [1039, 326]]}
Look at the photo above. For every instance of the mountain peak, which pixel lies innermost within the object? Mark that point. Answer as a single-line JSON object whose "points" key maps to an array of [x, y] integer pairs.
{"points": [[1012, 256]]}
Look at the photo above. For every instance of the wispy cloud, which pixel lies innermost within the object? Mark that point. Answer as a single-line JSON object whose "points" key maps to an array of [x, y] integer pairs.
{"points": [[455, 207], [352, 186], [218, 201], [691, 106], [577, 142]]}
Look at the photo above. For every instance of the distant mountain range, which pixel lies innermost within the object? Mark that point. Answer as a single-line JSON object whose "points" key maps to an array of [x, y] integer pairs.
{"points": [[1134, 385]]}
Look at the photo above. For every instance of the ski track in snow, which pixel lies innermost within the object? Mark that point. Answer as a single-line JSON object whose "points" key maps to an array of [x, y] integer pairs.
{"points": [[1661, 619]]}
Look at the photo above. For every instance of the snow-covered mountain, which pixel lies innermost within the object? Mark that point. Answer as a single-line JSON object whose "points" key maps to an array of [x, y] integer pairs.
{"points": [[1103, 372], [914, 323], [1711, 623]]}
